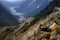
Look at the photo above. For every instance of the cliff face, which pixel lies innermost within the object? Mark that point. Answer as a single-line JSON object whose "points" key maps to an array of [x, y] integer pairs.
{"points": [[6, 18]]}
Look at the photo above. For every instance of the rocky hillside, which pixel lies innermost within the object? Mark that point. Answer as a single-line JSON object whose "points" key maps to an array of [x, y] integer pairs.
{"points": [[45, 28]]}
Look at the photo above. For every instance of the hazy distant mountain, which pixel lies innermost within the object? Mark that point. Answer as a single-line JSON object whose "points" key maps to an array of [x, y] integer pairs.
{"points": [[24, 9], [28, 7], [6, 18], [11, 7], [32, 7]]}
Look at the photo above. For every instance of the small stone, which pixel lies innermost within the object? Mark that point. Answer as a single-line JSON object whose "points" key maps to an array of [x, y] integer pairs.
{"points": [[54, 27], [44, 28], [53, 33], [58, 37], [52, 37], [44, 39], [44, 35]]}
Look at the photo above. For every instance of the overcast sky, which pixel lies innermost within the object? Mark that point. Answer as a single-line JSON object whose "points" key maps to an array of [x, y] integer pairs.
{"points": [[12, 0]]}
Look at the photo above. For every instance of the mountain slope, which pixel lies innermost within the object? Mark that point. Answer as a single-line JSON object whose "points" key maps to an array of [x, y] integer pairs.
{"points": [[45, 26], [40, 30], [6, 18]]}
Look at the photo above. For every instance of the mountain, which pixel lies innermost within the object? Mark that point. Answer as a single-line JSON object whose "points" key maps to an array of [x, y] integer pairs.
{"points": [[43, 26], [47, 28], [32, 7], [25, 9], [10, 6], [6, 18]]}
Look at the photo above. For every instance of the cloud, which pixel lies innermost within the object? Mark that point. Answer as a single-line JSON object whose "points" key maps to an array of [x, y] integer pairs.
{"points": [[20, 15]]}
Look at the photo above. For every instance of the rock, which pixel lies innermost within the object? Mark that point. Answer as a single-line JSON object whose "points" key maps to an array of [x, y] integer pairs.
{"points": [[44, 35], [58, 37], [53, 37], [53, 33], [53, 27], [43, 27], [44, 39]]}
